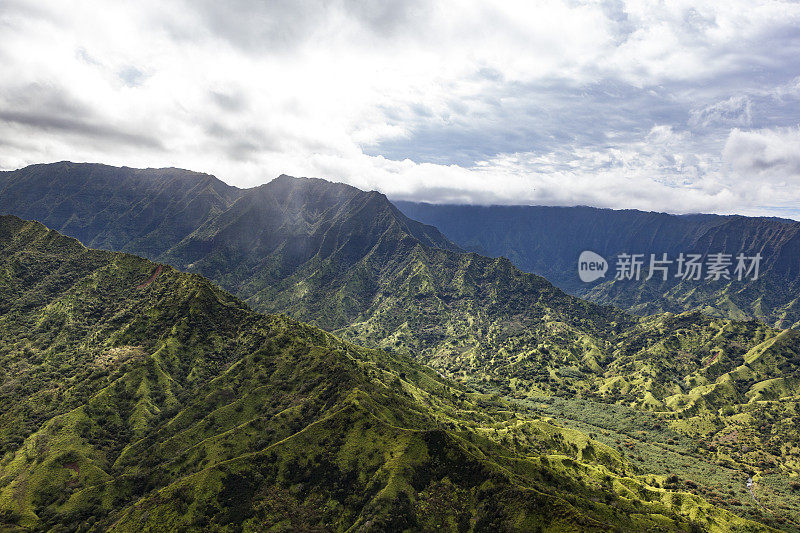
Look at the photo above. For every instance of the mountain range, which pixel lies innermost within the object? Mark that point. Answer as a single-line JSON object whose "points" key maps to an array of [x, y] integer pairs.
{"points": [[548, 241], [716, 394], [146, 211], [139, 398], [329, 254]]}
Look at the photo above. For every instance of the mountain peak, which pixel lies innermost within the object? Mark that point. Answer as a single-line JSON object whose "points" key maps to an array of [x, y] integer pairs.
{"points": [[292, 183]]}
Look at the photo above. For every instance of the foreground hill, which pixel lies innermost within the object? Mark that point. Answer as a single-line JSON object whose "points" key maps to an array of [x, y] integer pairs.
{"points": [[548, 240], [135, 397]]}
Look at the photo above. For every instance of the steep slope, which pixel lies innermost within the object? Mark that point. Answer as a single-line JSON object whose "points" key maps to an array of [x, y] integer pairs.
{"points": [[134, 401], [349, 262], [144, 211], [548, 240], [773, 298], [297, 244]]}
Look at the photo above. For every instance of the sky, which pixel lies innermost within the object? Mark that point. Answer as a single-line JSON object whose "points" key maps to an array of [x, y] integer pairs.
{"points": [[669, 106]]}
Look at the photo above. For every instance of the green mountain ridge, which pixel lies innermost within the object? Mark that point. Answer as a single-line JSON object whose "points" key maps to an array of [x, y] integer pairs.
{"points": [[152, 400], [298, 242], [144, 211], [350, 262]]}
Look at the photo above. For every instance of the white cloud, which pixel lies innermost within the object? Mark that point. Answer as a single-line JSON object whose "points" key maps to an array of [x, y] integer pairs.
{"points": [[735, 111], [620, 104], [772, 155]]}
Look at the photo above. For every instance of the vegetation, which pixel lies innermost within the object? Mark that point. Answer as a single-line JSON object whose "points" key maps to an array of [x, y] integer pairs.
{"points": [[142, 211], [77, 321], [134, 401]]}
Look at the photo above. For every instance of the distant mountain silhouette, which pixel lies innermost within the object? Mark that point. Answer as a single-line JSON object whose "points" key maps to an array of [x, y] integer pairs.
{"points": [[548, 240]]}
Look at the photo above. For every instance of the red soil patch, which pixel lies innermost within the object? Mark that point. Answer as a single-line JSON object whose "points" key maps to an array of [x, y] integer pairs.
{"points": [[713, 358], [73, 466], [733, 436], [152, 278]]}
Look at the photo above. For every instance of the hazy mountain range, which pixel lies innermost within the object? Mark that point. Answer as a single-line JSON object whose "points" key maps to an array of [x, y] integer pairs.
{"points": [[548, 240]]}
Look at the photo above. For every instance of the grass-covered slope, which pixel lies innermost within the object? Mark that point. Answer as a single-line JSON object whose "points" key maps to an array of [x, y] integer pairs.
{"points": [[728, 392], [304, 246], [138, 398]]}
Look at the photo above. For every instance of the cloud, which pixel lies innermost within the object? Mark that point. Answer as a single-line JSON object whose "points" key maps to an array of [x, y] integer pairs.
{"points": [[37, 109], [132, 76], [541, 117], [670, 106], [97, 132], [735, 111], [229, 102], [772, 154]]}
